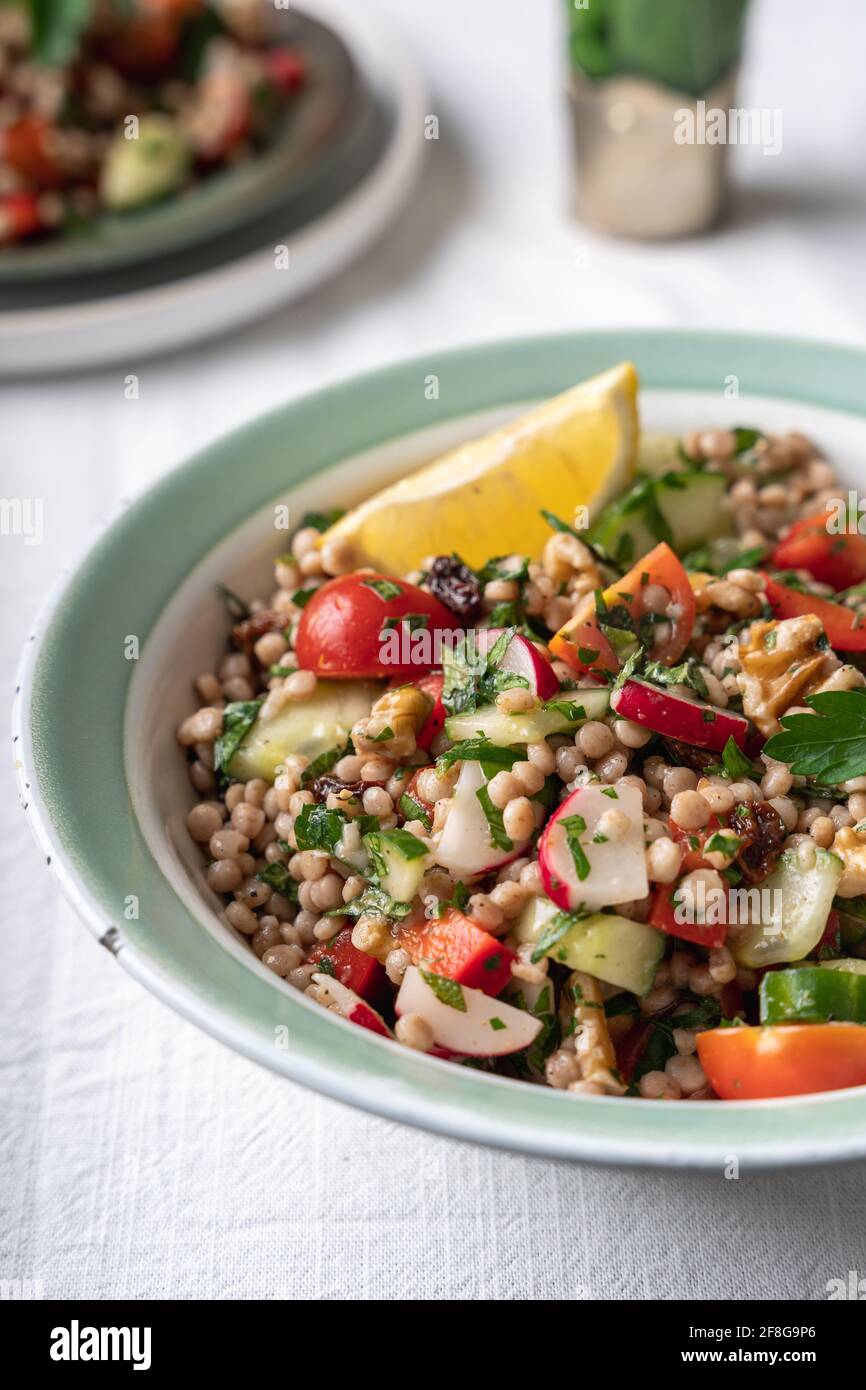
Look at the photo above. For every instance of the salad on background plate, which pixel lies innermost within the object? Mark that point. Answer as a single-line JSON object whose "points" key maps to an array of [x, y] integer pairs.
{"points": [[550, 759], [110, 106]]}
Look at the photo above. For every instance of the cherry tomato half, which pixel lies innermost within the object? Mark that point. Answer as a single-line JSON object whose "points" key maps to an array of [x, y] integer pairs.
{"points": [[352, 627], [785, 1059], [582, 644], [19, 217], [845, 630], [26, 147], [663, 916], [837, 560]]}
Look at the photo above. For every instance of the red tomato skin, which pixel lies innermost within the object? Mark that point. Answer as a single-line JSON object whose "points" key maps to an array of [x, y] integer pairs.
{"points": [[693, 858], [432, 686], [286, 69], [661, 566], [353, 968], [788, 1059], [19, 217], [25, 146], [453, 946], [340, 627], [845, 630], [839, 561], [699, 933]]}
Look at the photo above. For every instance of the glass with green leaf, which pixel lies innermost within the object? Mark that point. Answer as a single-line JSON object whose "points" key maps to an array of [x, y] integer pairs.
{"points": [[646, 78]]}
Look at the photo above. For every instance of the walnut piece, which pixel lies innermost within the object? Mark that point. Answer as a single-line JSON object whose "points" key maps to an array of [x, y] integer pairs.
{"points": [[851, 849], [782, 663], [582, 999]]}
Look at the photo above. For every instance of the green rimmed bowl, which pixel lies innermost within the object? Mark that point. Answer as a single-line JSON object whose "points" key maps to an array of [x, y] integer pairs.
{"points": [[106, 791]]}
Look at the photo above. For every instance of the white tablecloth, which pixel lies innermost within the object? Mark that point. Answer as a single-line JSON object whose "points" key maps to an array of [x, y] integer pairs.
{"points": [[139, 1158]]}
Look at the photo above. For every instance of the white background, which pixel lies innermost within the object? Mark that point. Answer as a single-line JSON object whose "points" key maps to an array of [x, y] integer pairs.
{"points": [[139, 1158]]}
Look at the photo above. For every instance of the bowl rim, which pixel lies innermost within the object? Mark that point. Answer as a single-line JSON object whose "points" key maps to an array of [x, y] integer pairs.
{"points": [[361, 1071]]}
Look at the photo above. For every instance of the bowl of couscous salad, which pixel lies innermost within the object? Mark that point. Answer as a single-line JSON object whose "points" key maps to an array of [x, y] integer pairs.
{"points": [[503, 772]]}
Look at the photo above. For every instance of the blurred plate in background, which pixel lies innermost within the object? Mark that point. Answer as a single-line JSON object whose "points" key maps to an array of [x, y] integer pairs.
{"points": [[303, 148], [330, 212]]}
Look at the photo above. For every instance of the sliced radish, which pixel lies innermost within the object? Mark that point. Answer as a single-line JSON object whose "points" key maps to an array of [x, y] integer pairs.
{"points": [[690, 721], [522, 658], [593, 873], [353, 1007], [465, 847], [470, 1023]]}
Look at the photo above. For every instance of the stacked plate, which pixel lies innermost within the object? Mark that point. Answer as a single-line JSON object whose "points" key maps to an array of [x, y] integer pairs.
{"points": [[245, 242]]}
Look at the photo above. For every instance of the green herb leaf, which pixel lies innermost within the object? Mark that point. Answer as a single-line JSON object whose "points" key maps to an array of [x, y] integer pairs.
{"points": [[829, 745], [413, 810], [557, 927], [493, 757], [372, 899], [321, 521], [574, 826], [278, 877], [495, 821], [735, 762], [385, 588], [56, 28], [325, 762], [446, 991], [238, 718], [237, 609]]}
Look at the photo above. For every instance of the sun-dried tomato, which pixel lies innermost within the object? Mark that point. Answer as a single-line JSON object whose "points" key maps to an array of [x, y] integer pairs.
{"points": [[763, 834], [245, 634]]}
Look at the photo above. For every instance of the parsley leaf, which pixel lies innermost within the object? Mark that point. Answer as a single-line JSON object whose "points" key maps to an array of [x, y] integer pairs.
{"points": [[829, 745], [473, 677], [493, 757], [413, 810], [558, 927], [325, 762], [574, 827], [495, 821], [321, 521], [385, 588], [446, 991], [372, 899], [238, 718], [277, 876]]}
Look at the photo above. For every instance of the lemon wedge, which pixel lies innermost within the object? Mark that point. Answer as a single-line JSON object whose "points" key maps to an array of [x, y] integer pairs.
{"points": [[485, 497]]}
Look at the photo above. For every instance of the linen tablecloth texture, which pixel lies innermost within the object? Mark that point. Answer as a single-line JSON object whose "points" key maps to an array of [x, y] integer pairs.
{"points": [[141, 1159]]}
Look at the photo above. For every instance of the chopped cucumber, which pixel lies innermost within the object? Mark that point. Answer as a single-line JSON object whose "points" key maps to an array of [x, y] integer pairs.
{"points": [[852, 921], [794, 904], [400, 860], [508, 729], [813, 995], [310, 727], [613, 949], [658, 453], [681, 508], [141, 170], [850, 963]]}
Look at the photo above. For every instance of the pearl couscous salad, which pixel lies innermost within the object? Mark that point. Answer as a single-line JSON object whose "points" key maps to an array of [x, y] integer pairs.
{"points": [[591, 816]]}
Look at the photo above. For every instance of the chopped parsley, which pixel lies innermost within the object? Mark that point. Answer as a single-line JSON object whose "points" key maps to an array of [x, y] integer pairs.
{"points": [[238, 718], [446, 991], [386, 589]]}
